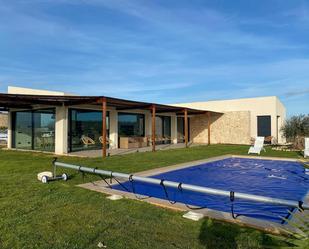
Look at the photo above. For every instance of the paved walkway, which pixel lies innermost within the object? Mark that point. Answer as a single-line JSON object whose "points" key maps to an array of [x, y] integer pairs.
{"points": [[112, 152]]}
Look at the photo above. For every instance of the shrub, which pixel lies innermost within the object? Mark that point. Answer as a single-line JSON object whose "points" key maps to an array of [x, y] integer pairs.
{"points": [[295, 129]]}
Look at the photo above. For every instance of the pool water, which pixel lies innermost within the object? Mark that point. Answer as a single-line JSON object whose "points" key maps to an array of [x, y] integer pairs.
{"points": [[271, 178]]}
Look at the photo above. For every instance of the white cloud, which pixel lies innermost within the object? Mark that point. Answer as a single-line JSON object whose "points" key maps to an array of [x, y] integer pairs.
{"points": [[162, 50]]}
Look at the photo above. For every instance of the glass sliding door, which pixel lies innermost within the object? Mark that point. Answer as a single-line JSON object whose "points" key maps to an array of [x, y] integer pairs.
{"points": [[167, 128], [159, 127], [22, 135], [163, 129], [86, 129], [131, 125], [44, 130], [34, 130], [181, 129]]}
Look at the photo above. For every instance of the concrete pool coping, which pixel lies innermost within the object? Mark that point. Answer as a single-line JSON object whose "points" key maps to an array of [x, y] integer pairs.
{"points": [[264, 225]]}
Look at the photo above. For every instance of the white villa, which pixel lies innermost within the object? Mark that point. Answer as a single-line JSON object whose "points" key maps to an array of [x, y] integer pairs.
{"points": [[64, 123]]}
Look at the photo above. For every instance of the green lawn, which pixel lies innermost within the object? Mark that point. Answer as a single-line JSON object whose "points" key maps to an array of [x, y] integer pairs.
{"points": [[61, 215]]}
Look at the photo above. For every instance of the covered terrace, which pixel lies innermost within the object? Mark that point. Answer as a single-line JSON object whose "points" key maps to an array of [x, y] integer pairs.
{"points": [[21, 102]]}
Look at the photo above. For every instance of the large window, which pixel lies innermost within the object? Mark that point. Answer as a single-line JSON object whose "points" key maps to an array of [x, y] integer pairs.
{"points": [[130, 124], [181, 129], [85, 129], [264, 126], [34, 130], [163, 129]]}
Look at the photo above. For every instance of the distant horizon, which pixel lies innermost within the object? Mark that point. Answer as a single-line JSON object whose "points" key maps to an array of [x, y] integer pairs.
{"points": [[159, 51]]}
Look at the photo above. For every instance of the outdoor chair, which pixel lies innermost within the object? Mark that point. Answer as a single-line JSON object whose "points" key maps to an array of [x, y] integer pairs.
{"points": [[271, 140], [159, 139], [167, 139], [306, 150], [87, 141], [107, 140], [258, 146], [181, 138], [149, 139], [268, 139]]}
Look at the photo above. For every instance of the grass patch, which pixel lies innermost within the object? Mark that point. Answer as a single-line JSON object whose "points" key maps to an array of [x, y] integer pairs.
{"points": [[61, 215]]}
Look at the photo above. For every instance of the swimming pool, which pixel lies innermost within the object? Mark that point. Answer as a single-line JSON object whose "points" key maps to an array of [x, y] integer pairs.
{"points": [[271, 178]]}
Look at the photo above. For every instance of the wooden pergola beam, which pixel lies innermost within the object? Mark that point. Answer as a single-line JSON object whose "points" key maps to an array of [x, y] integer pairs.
{"points": [[181, 113], [103, 127], [153, 112], [186, 126], [133, 107]]}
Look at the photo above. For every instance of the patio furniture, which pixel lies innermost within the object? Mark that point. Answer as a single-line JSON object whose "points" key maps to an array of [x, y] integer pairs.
{"points": [[257, 147], [252, 140], [46, 139], [180, 138], [268, 139], [4, 137], [87, 141], [168, 139], [132, 142], [149, 140], [306, 150], [271, 140], [159, 139], [107, 140]]}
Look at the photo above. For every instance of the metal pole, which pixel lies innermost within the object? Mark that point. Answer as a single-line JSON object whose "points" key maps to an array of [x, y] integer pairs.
{"points": [[186, 126], [103, 127], [153, 133], [193, 188]]}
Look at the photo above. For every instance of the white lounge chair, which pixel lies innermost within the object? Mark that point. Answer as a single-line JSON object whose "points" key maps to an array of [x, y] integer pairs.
{"points": [[107, 140], [257, 147], [306, 150], [87, 141]]}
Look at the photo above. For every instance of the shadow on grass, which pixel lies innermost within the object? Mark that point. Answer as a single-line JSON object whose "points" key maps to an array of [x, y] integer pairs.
{"points": [[220, 235]]}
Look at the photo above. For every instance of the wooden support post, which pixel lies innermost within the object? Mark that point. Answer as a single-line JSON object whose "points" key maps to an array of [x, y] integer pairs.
{"points": [[208, 128], [153, 109], [103, 127], [186, 126]]}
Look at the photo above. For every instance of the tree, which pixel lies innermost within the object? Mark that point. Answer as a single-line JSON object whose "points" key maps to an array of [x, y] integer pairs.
{"points": [[295, 129]]}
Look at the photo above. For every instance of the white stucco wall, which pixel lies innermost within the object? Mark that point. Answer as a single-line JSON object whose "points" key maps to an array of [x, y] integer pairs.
{"points": [[113, 129], [10, 132], [256, 106], [61, 130], [30, 91]]}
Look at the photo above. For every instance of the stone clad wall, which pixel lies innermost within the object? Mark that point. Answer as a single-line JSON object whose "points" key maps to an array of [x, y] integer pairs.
{"points": [[3, 120], [227, 128]]}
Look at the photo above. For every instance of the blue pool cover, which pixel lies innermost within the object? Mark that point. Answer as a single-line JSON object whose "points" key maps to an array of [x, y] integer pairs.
{"points": [[272, 178]]}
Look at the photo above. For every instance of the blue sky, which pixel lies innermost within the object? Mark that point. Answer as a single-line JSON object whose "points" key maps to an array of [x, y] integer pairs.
{"points": [[159, 51]]}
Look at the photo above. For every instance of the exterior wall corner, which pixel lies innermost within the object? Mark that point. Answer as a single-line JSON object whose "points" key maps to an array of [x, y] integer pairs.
{"points": [[61, 130]]}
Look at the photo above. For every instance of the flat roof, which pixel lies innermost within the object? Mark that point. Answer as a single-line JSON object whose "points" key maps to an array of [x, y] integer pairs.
{"points": [[26, 101]]}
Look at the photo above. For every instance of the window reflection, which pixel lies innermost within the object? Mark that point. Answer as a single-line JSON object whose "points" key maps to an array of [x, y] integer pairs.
{"points": [[163, 129], [181, 129], [130, 124], [86, 129], [44, 130], [34, 130]]}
